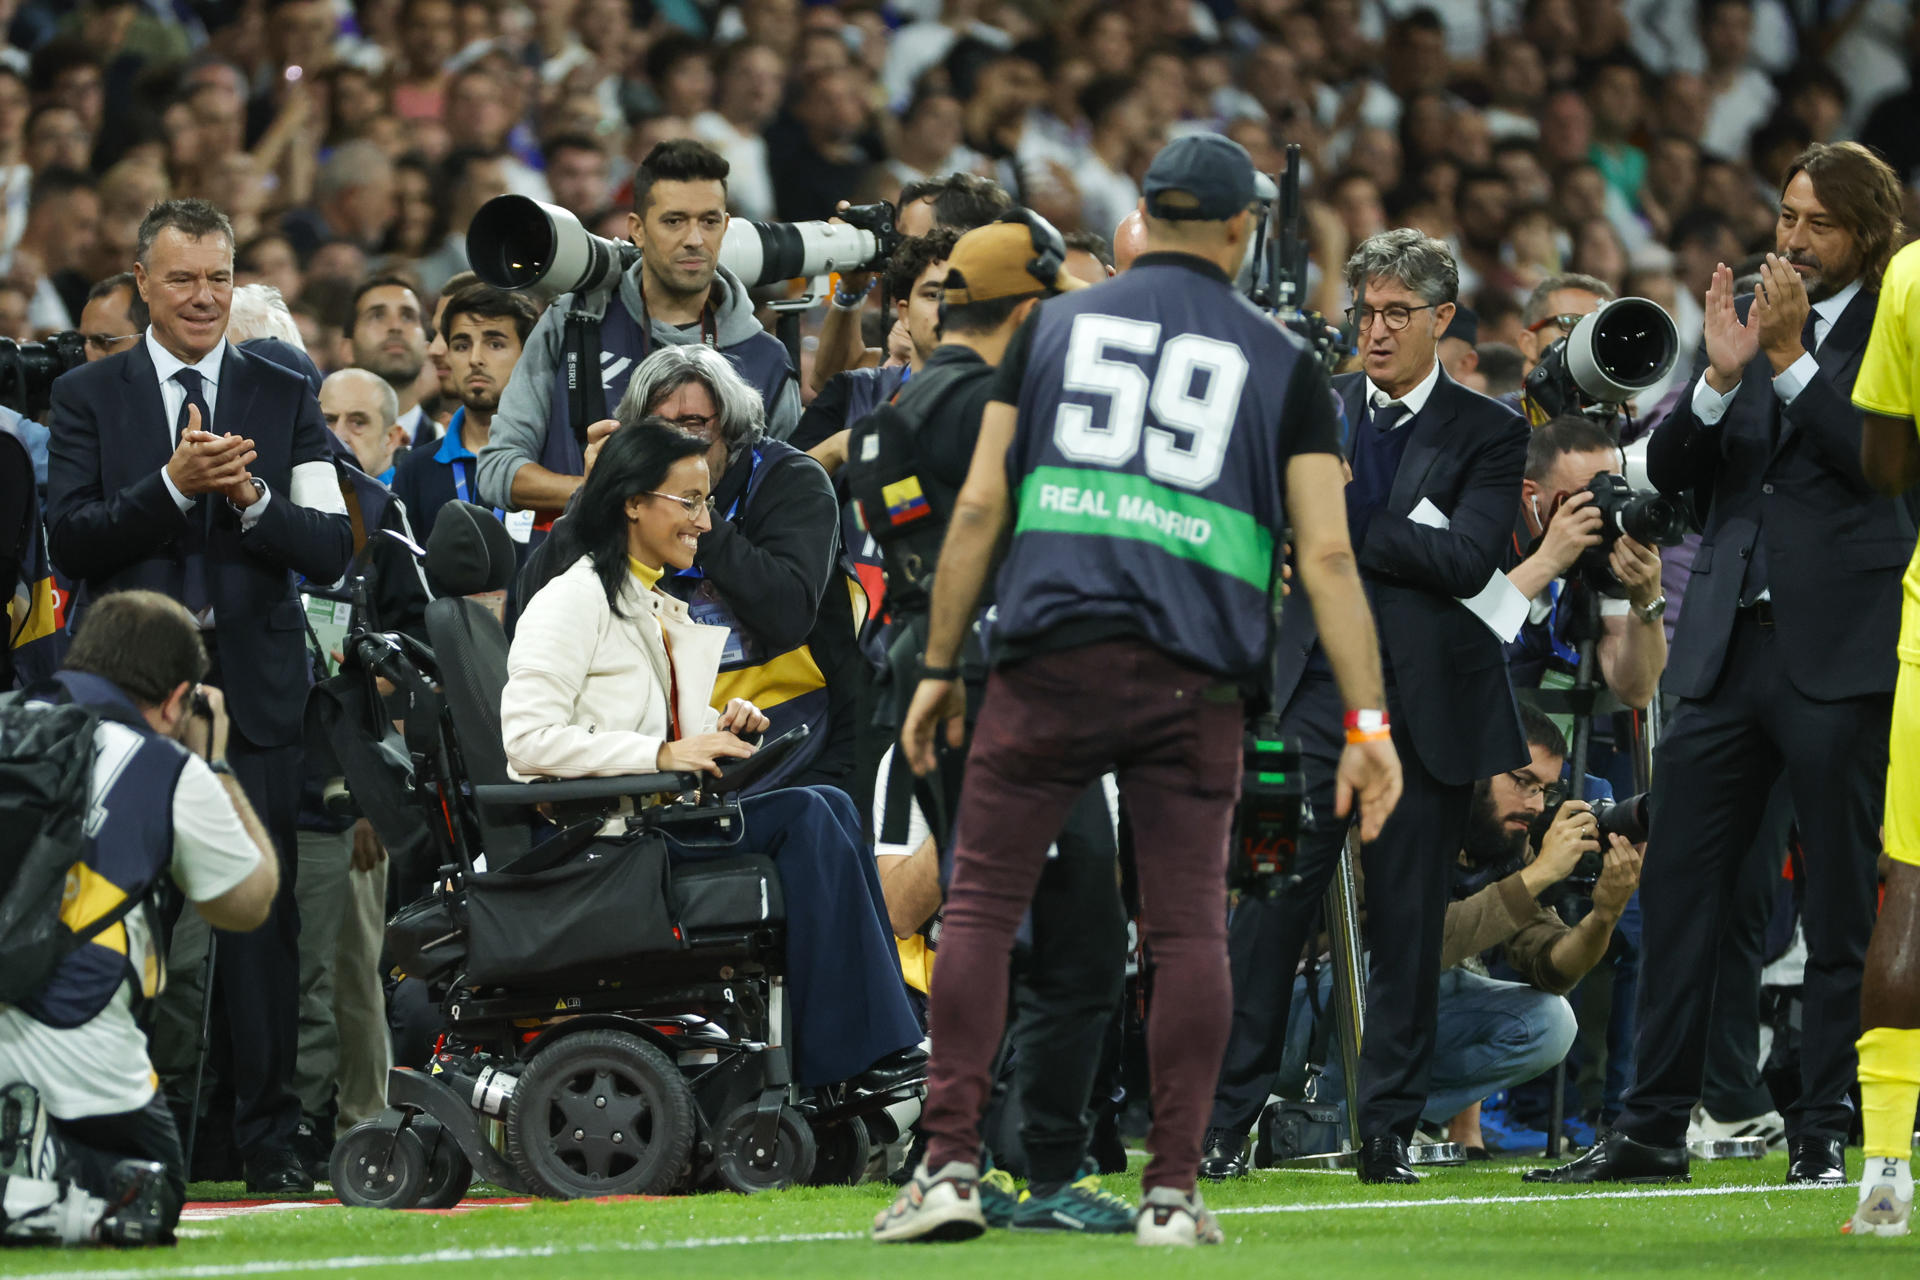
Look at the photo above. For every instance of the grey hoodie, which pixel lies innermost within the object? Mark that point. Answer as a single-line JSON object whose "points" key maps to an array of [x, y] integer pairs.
{"points": [[519, 432]]}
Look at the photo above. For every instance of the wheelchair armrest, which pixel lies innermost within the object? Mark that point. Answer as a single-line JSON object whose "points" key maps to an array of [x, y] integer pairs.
{"points": [[564, 790]]}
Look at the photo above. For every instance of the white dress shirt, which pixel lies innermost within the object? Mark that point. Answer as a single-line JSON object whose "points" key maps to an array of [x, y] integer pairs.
{"points": [[1413, 402], [1710, 406], [173, 397]]}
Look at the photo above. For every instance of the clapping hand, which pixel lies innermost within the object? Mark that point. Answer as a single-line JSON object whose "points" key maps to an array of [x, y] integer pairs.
{"points": [[205, 463], [1780, 309]]}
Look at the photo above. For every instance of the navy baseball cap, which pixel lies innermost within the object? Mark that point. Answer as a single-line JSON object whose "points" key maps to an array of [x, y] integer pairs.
{"points": [[1202, 177]]}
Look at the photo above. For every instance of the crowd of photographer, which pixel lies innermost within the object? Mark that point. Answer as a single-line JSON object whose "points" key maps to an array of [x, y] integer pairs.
{"points": [[277, 217]]}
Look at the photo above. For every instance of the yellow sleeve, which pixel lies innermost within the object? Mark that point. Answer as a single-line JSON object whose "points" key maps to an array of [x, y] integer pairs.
{"points": [[1887, 372]]}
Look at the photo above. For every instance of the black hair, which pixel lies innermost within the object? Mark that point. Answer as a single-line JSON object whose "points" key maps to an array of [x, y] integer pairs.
{"points": [[56, 183], [57, 57], [1542, 732], [664, 54], [194, 218], [136, 309], [911, 259], [1091, 242], [681, 160], [1102, 95], [382, 280], [243, 257], [962, 201], [145, 643], [982, 317], [570, 142], [1557, 437], [489, 303], [634, 460]]}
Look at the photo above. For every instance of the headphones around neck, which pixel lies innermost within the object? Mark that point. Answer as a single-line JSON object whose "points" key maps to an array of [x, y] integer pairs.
{"points": [[1049, 247]]}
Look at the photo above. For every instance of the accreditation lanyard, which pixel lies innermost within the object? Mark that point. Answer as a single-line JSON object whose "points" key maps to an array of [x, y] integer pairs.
{"points": [[708, 328]]}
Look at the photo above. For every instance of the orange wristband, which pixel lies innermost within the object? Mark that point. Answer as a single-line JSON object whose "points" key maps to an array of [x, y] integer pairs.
{"points": [[1368, 735]]}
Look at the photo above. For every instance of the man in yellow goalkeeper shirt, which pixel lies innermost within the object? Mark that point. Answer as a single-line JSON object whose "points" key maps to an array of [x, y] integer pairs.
{"points": [[1890, 996]]}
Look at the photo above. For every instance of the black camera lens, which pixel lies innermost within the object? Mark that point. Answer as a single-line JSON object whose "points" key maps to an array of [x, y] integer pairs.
{"points": [[1653, 520], [510, 243]]}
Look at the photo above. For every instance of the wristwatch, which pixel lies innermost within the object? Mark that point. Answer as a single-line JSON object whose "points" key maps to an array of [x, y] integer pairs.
{"points": [[259, 489], [220, 766], [1652, 611]]}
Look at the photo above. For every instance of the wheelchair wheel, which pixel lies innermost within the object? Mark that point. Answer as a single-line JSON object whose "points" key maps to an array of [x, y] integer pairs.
{"points": [[600, 1113], [793, 1153], [378, 1167], [449, 1173], [843, 1151]]}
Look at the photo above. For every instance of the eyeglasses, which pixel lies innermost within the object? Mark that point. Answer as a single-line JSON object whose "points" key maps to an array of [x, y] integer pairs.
{"points": [[1395, 316], [1565, 322], [101, 342], [1529, 786], [697, 509], [698, 423]]}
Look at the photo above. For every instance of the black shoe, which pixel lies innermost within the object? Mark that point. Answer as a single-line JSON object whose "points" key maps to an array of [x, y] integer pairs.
{"points": [[137, 1214], [313, 1146], [1104, 1146], [277, 1173], [1816, 1162], [1383, 1158], [1224, 1155], [1618, 1158], [897, 1068]]}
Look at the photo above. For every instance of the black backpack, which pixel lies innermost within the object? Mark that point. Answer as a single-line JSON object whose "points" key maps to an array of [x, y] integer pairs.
{"points": [[46, 776]]}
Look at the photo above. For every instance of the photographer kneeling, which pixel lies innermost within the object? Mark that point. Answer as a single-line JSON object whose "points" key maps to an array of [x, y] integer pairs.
{"points": [[88, 1148], [609, 675], [1495, 1034]]}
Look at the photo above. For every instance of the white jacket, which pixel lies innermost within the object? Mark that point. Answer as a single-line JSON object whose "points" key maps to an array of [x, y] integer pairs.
{"points": [[586, 691]]}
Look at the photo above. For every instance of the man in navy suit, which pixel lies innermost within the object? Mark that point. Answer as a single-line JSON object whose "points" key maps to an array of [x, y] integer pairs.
{"points": [[1431, 506], [188, 466], [1783, 662]]}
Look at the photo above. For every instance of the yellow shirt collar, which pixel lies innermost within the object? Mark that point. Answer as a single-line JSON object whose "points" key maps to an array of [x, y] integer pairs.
{"points": [[648, 577]]}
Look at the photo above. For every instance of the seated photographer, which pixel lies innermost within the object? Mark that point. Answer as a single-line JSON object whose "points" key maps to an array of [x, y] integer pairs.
{"points": [[88, 1147], [1564, 527], [609, 675], [1495, 1034], [766, 567]]}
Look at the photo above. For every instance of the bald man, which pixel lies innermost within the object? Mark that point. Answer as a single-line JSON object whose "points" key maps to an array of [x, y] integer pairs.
{"points": [[361, 408], [1129, 238]]}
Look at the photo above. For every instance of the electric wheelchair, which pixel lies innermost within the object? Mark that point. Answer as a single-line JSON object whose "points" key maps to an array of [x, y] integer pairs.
{"points": [[612, 1022]]}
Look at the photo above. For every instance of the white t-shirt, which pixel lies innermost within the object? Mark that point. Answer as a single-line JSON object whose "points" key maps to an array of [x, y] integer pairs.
{"points": [[100, 1068]]}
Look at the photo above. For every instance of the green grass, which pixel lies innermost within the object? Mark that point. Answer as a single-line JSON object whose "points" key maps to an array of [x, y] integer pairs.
{"points": [[1295, 1225]]}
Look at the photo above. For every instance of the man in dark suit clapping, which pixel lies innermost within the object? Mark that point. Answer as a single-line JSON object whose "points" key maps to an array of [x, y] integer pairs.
{"points": [[1431, 505], [1784, 660], [187, 466]]}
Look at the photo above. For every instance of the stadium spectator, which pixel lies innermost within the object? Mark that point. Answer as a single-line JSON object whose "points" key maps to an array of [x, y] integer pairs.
{"points": [[389, 338]]}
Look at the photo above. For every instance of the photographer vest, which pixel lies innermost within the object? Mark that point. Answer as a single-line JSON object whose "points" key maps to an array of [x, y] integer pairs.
{"points": [[1147, 471], [613, 340], [128, 851], [790, 687]]}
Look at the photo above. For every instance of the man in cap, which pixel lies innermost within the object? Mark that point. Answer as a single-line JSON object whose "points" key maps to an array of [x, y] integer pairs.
{"points": [[1129, 453]]}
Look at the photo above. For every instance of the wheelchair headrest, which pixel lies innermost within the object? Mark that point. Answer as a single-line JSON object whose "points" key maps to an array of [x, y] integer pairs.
{"points": [[469, 552]]}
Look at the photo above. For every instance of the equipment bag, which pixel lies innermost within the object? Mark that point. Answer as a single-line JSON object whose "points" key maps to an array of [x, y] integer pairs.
{"points": [[46, 775], [588, 912]]}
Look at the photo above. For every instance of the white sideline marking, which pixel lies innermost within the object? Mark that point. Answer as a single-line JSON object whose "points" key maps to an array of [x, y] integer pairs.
{"points": [[215, 1271]]}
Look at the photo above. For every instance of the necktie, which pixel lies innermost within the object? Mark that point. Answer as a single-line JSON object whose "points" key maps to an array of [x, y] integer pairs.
{"points": [[194, 592], [1810, 332], [1387, 416]]}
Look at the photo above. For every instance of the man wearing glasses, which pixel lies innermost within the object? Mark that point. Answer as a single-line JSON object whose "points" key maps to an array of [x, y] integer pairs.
{"points": [[1553, 308], [1436, 470]]}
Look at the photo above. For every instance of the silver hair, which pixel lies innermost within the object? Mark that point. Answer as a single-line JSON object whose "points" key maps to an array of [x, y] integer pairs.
{"points": [[258, 311], [742, 417], [389, 399], [352, 164], [1412, 258]]}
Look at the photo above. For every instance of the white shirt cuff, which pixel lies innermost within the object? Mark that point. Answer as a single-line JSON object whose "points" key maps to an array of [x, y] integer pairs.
{"points": [[251, 516], [180, 499], [1793, 379], [1709, 405]]}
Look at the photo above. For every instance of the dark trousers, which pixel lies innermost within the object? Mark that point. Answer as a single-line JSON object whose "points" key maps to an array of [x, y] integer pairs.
{"points": [[1732, 1087], [1407, 872], [1051, 726], [90, 1148], [849, 1003], [1717, 765]]}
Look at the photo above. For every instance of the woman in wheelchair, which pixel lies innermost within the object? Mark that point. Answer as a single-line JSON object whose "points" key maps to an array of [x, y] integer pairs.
{"points": [[608, 676]]}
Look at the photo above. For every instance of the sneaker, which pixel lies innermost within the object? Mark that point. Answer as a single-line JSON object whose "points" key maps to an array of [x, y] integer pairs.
{"points": [[1579, 1133], [1078, 1206], [137, 1215], [1883, 1209], [1503, 1135], [26, 1149], [998, 1196], [935, 1206], [1168, 1217], [1768, 1126]]}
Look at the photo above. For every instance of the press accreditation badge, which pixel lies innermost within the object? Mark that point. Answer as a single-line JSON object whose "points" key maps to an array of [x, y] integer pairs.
{"points": [[519, 525]]}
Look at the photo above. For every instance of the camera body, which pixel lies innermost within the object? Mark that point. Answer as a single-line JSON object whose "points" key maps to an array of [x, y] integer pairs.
{"points": [[1647, 516], [1625, 818], [28, 369], [1266, 825], [1611, 356]]}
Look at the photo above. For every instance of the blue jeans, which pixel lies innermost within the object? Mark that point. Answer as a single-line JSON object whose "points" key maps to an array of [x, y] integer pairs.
{"points": [[1492, 1035]]}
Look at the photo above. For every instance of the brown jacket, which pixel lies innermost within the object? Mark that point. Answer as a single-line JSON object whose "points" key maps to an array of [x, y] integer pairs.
{"points": [[1505, 913]]}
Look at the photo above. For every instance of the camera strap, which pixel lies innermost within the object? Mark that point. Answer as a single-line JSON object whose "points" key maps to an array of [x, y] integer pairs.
{"points": [[586, 396]]}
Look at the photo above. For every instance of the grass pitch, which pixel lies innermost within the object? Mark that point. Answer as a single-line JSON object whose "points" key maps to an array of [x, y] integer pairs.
{"points": [[1478, 1222]]}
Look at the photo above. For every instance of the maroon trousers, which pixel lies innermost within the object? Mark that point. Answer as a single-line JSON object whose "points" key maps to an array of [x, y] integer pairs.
{"points": [[1050, 727]]}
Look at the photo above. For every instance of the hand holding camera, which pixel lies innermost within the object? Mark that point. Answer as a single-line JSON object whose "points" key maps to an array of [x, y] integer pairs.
{"points": [[1574, 526], [1574, 835], [205, 732], [1619, 877]]}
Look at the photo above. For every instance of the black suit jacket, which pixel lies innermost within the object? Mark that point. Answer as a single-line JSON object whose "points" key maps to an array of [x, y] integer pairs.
{"points": [[1466, 457], [113, 525], [1791, 475]]}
